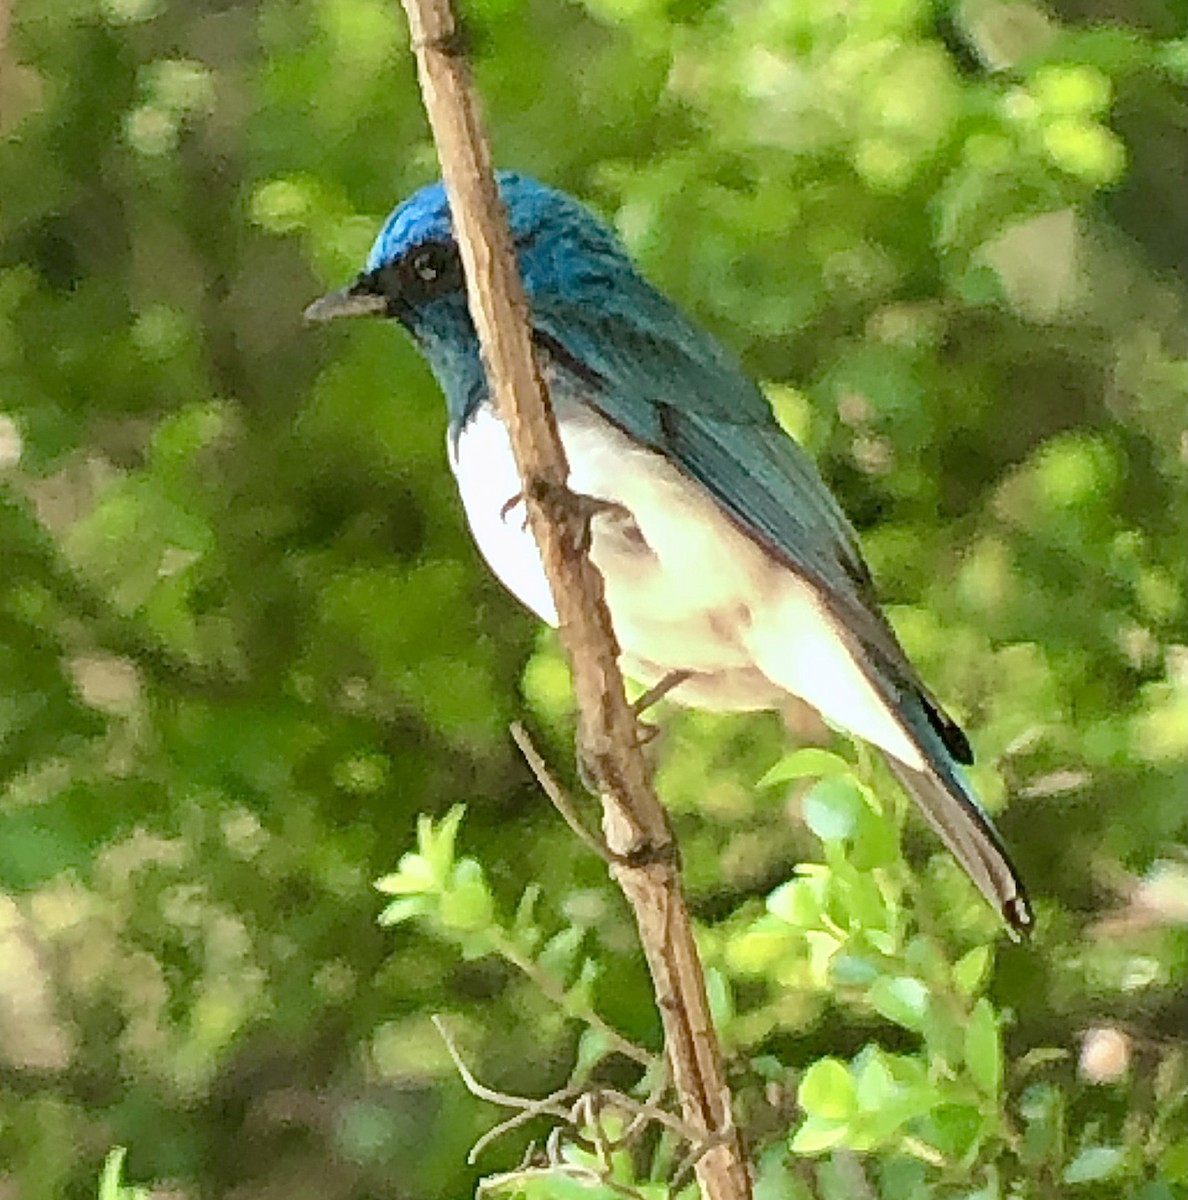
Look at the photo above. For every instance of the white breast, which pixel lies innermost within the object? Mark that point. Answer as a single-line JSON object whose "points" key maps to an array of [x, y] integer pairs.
{"points": [[688, 591]]}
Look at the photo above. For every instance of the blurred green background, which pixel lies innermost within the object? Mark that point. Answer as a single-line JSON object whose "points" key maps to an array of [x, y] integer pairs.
{"points": [[245, 640]]}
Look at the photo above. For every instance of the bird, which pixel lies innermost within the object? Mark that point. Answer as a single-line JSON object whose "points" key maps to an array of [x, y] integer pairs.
{"points": [[729, 569]]}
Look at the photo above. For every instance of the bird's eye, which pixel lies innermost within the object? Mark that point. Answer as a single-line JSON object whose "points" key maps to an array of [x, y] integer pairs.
{"points": [[426, 266], [432, 269]]}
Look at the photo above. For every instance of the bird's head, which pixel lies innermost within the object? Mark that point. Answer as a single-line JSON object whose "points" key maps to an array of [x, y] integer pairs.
{"points": [[414, 274]]}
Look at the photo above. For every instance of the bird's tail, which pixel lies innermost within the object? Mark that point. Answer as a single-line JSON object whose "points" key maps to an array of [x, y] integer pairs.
{"points": [[945, 799]]}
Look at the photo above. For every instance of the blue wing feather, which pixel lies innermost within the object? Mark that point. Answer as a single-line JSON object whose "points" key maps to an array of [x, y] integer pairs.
{"points": [[671, 388]]}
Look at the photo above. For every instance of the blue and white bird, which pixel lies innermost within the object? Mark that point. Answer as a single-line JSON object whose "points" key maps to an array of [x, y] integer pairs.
{"points": [[724, 555]]}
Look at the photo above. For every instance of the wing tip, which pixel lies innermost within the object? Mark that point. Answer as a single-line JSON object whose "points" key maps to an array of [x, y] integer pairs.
{"points": [[947, 730], [1019, 919], [950, 807]]}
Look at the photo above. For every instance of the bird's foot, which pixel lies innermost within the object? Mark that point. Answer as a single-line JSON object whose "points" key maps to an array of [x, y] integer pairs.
{"points": [[648, 854], [567, 507], [645, 732]]}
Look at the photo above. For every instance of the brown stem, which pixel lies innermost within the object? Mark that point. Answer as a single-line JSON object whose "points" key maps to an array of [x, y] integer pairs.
{"points": [[634, 822]]}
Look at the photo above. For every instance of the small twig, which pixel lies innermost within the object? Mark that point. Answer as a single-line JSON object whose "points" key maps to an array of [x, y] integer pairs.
{"points": [[555, 990], [504, 1099], [587, 1114], [553, 1144], [576, 1114], [651, 1104], [527, 1109], [555, 792], [547, 1107], [642, 1110]]}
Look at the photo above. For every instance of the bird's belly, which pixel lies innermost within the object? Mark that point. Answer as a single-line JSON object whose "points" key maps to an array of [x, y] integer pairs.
{"points": [[679, 578], [687, 590]]}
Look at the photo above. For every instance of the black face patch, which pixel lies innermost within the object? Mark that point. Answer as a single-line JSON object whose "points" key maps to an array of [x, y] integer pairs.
{"points": [[429, 270], [421, 274]]}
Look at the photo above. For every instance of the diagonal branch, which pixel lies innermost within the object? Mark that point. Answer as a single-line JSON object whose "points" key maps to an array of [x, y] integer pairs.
{"points": [[634, 822]]}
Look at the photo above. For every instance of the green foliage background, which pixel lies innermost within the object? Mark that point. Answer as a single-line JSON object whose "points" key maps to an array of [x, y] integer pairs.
{"points": [[244, 638]]}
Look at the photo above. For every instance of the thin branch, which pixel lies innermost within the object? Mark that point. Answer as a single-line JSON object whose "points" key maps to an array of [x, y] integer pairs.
{"points": [[577, 1110], [543, 1107], [549, 1105], [642, 1113], [634, 822], [556, 992], [555, 792]]}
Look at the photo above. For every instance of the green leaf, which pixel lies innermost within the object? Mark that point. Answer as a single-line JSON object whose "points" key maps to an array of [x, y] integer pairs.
{"points": [[579, 996], [1156, 1190], [827, 1090], [983, 1048], [758, 949], [818, 1134], [852, 970], [524, 931], [593, 1047], [559, 954], [467, 906], [436, 841], [721, 997], [901, 999], [414, 876], [834, 809], [891, 1090], [811, 760], [404, 909], [1042, 1106], [877, 842], [798, 902], [860, 901], [775, 1177], [876, 1085], [971, 969], [110, 1185], [955, 1129], [1094, 1164]]}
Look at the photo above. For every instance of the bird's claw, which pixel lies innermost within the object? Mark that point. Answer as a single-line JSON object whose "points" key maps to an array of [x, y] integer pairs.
{"points": [[645, 732], [509, 504]]}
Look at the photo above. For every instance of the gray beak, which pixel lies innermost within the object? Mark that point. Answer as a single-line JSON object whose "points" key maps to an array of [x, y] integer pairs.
{"points": [[346, 302]]}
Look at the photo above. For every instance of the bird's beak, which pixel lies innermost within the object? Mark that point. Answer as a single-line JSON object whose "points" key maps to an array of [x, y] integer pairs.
{"points": [[353, 301]]}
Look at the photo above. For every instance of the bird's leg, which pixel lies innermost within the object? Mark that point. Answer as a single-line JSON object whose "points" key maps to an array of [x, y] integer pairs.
{"points": [[569, 508], [654, 694], [645, 731]]}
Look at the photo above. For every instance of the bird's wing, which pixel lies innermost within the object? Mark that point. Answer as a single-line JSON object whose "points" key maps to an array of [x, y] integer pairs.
{"points": [[669, 386]]}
